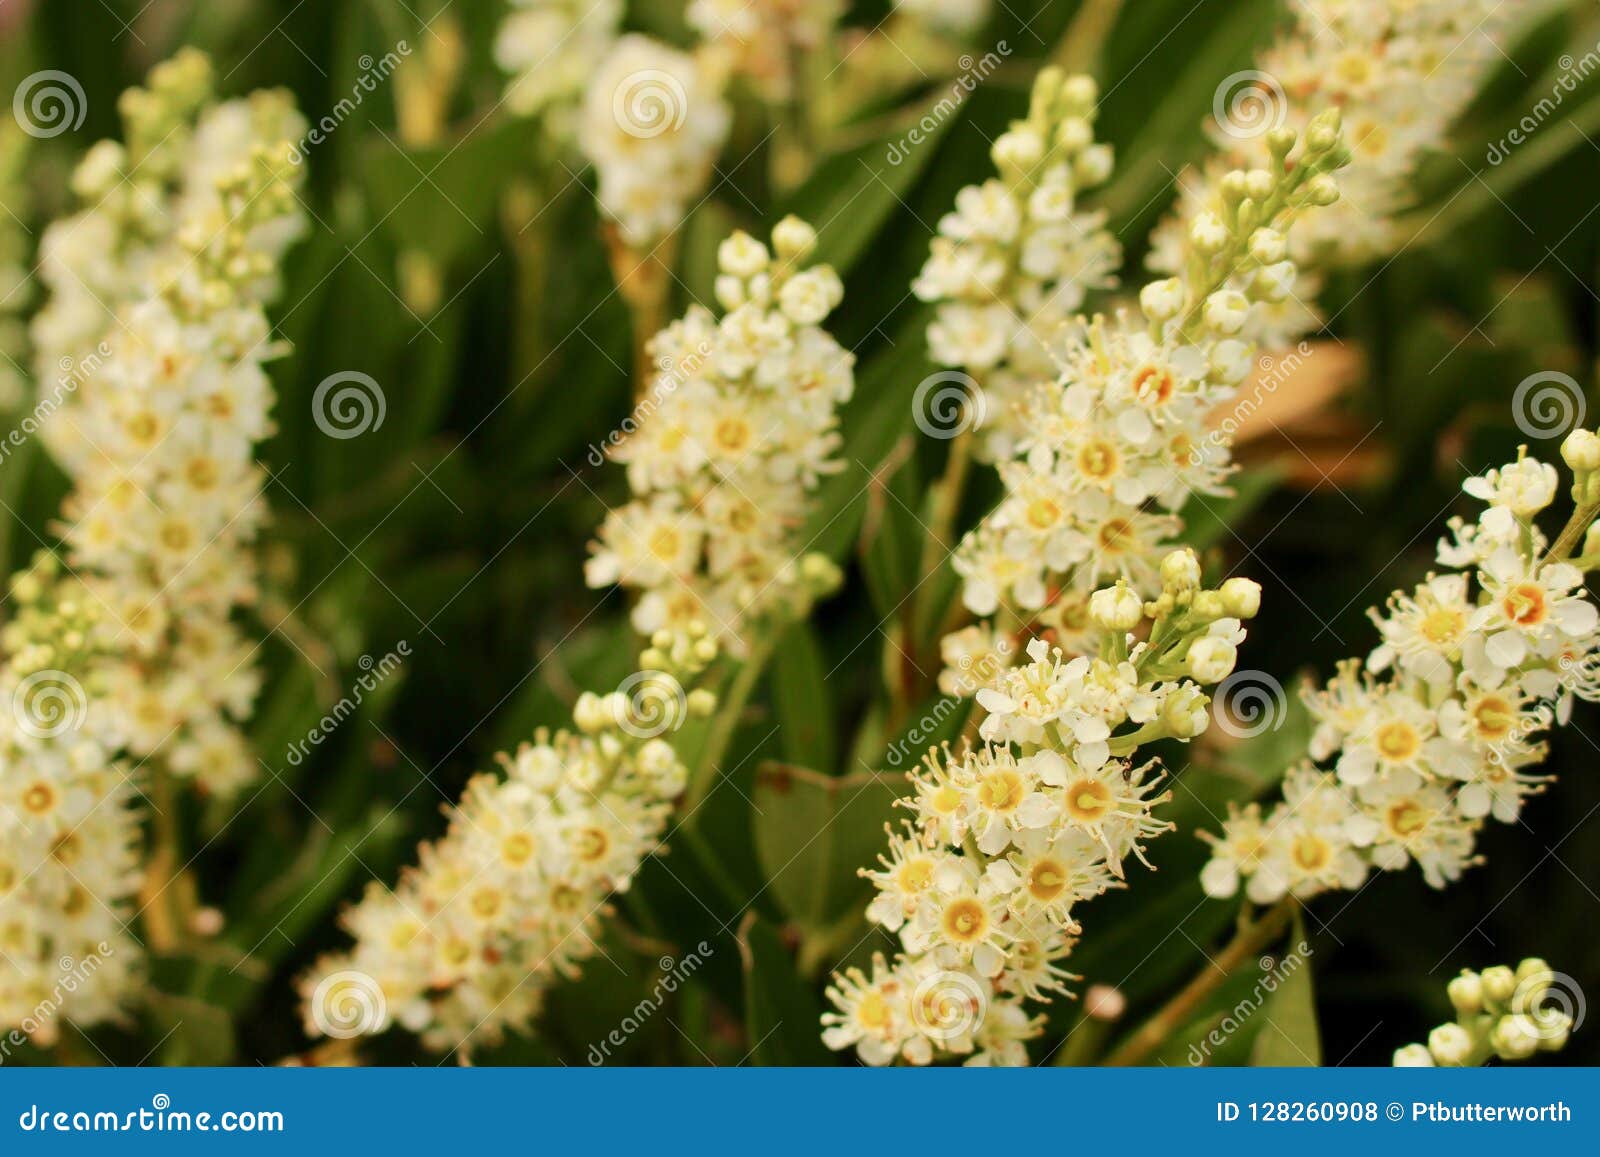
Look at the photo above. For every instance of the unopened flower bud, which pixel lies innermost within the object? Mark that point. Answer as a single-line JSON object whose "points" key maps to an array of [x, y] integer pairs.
{"points": [[1211, 659], [1450, 1044], [1187, 712], [1180, 571], [1207, 233], [793, 238], [1268, 246], [1499, 983], [1322, 190], [1466, 993], [1117, 608], [1514, 1037], [1241, 598], [1226, 311], [742, 255], [1413, 1057], [1581, 451], [702, 703], [1260, 184], [1161, 300]]}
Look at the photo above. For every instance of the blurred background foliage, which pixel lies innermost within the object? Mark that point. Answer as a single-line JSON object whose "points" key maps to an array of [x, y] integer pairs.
{"points": [[452, 265]]}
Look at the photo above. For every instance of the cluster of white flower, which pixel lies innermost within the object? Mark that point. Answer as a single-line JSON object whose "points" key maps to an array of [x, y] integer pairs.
{"points": [[652, 122], [762, 39], [1007, 839], [156, 295], [16, 279], [511, 898], [68, 833], [951, 16], [1400, 73], [1111, 450], [1500, 1012], [551, 48], [1014, 261], [731, 437], [1440, 729]]}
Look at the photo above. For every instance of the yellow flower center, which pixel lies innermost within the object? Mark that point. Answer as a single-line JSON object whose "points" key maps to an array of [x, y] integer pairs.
{"points": [[1088, 801], [1311, 852], [1000, 791], [1098, 461], [1525, 604], [1154, 385], [915, 875], [1442, 625], [1047, 879], [1492, 717], [966, 921], [1406, 818], [1398, 741]]}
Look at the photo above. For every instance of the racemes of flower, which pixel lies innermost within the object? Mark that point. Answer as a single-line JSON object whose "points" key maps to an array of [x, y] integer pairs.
{"points": [[551, 48], [728, 442], [652, 122], [764, 41], [1119, 441], [513, 896], [1500, 1012], [69, 831], [156, 296], [1401, 74], [155, 301], [1440, 729], [1014, 261], [982, 884]]}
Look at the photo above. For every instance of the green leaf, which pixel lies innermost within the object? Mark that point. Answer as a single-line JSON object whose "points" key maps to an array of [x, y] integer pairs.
{"points": [[800, 696], [1208, 521], [813, 832], [851, 194], [1290, 1036], [781, 1014]]}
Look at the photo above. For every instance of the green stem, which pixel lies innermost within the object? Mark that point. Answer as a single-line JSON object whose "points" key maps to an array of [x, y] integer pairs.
{"points": [[1246, 945], [1576, 527], [1083, 45], [726, 722]]}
